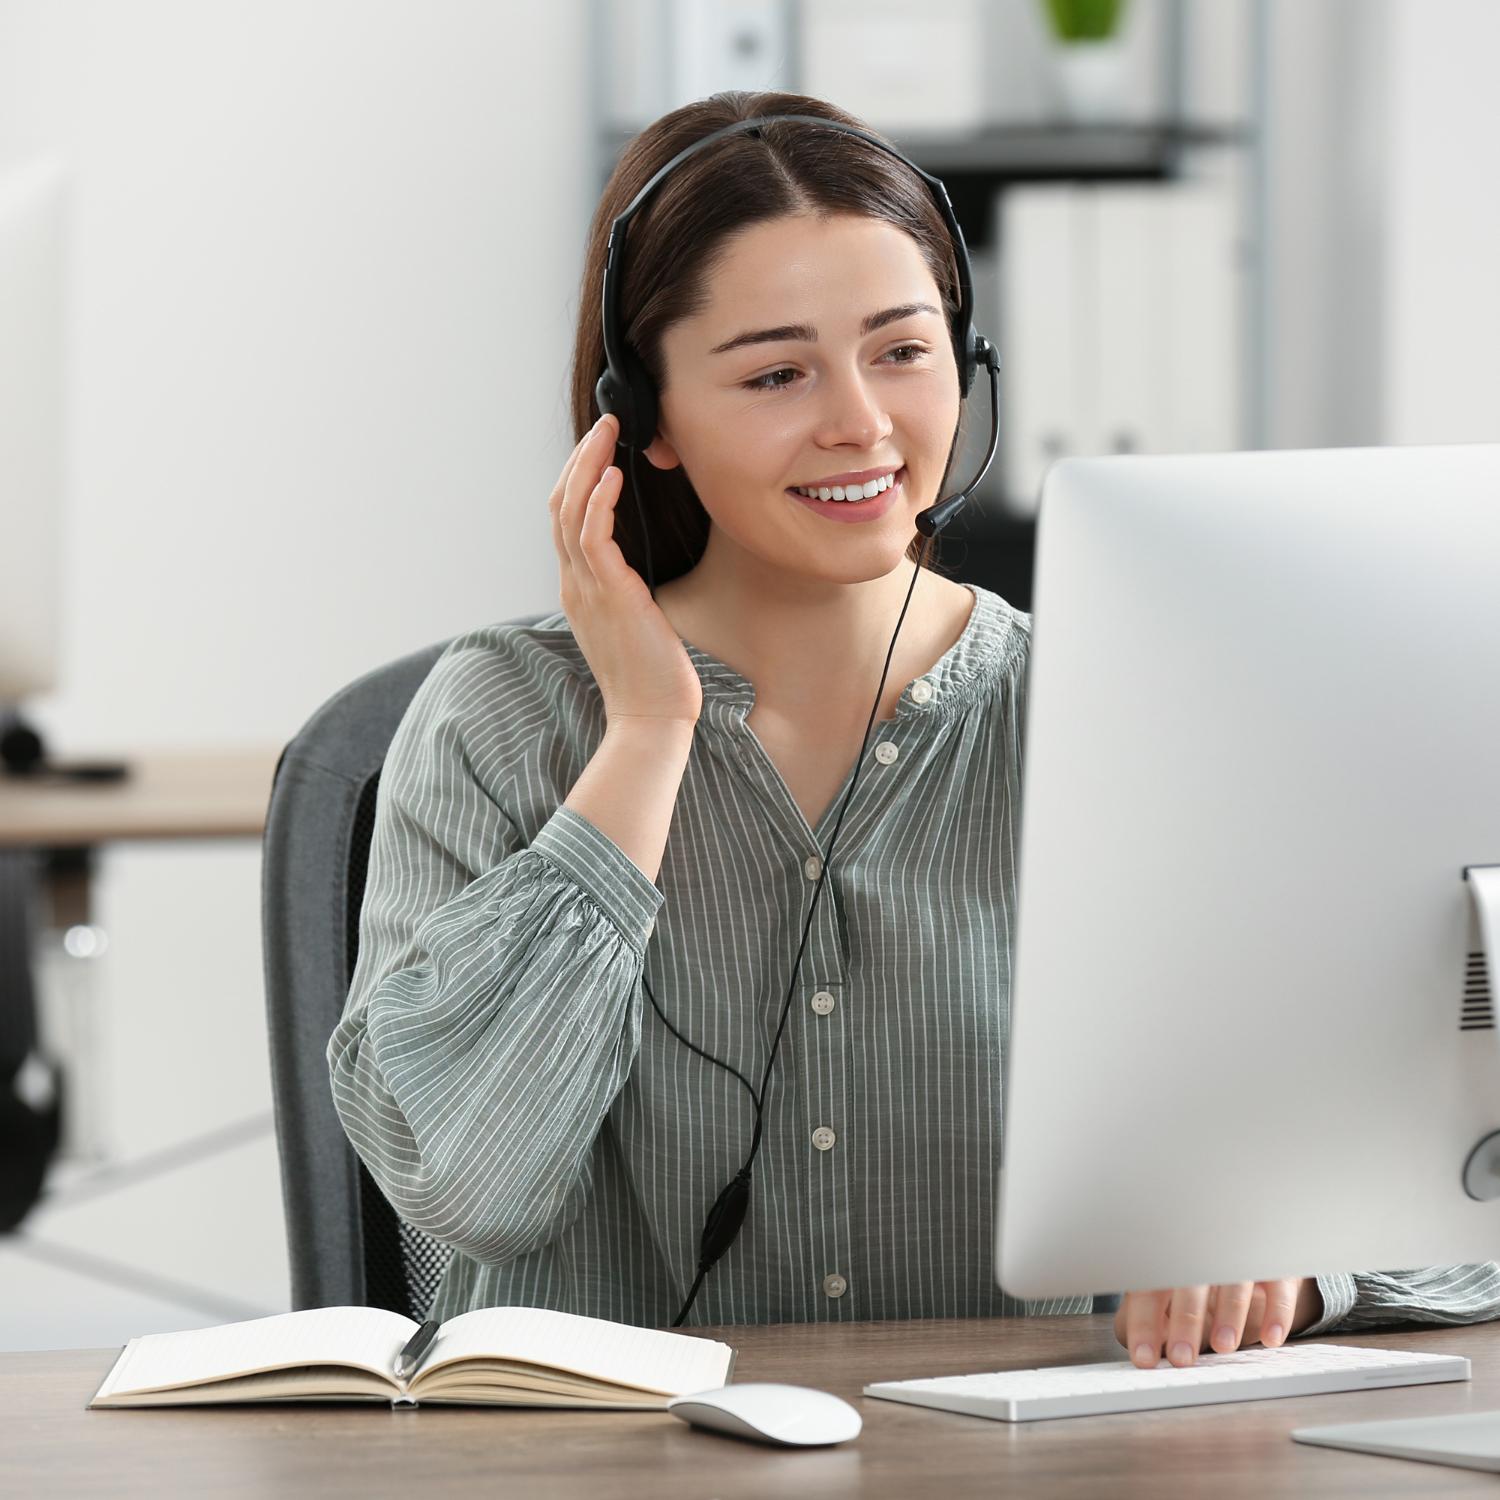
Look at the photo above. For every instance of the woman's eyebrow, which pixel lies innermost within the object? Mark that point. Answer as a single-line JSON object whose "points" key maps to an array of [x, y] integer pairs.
{"points": [[807, 334]]}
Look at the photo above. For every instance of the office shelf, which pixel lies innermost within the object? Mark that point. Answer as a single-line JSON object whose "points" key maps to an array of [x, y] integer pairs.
{"points": [[1028, 153], [975, 166]]}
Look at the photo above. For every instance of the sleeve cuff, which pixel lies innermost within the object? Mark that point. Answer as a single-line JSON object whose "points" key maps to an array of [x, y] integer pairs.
{"points": [[1339, 1296], [593, 861]]}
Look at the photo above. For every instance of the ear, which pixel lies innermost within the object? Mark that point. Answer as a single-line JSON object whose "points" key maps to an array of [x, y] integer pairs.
{"points": [[661, 453]]}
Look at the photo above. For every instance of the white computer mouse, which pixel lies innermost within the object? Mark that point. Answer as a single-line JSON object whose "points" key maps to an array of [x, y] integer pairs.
{"points": [[791, 1415]]}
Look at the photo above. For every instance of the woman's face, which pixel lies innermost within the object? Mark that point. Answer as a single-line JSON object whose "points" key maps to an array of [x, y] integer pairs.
{"points": [[828, 398]]}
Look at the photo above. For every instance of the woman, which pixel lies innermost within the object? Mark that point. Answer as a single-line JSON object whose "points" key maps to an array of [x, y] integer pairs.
{"points": [[597, 836]]}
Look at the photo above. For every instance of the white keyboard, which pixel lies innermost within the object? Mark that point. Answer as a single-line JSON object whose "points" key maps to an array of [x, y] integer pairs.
{"points": [[1253, 1374]]}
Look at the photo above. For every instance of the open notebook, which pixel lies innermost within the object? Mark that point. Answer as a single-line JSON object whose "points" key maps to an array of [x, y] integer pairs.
{"points": [[493, 1356]]}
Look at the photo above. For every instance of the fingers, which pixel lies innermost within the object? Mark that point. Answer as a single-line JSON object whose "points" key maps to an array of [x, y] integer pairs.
{"points": [[1255, 1318], [569, 501], [559, 488], [1186, 1320], [1281, 1304], [1185, 1323], [598, 448], [555, 501], [596, 532], [1145, 1318], [1231, 1308]]}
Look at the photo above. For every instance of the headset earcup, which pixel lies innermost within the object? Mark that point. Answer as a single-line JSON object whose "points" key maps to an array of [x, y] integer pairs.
{"points": [[612, 396], [969, 364], [643, 407], [630, 397]]}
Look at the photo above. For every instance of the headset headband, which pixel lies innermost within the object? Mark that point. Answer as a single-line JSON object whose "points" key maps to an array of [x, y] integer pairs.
{"points": [[626, 388]]}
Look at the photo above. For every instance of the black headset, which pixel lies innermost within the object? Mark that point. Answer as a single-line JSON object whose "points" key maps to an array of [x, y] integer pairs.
{"points": [[626, 390]]}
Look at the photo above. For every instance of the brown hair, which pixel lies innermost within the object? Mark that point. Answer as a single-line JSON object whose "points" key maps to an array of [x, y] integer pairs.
{"points": [[672, 244]]}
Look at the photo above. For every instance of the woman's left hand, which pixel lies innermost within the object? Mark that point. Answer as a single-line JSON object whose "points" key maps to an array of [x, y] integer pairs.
{"points": [[1189, 1320]]}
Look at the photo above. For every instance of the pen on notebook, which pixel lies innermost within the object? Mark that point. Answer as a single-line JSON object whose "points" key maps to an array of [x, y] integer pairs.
{"points": [[419, 1343]]}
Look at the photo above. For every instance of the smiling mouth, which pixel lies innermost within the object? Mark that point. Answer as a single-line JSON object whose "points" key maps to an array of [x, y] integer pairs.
{"points": [[898, 483]]}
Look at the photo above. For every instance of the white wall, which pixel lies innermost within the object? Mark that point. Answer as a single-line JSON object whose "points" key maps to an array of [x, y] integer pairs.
{"points": [[1326, 147], [1442, 380], [322, 287], [1383, 223], [323, 281]]}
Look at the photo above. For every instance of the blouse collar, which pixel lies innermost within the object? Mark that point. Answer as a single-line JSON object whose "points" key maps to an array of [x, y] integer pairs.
{"points": [[991, 640]]}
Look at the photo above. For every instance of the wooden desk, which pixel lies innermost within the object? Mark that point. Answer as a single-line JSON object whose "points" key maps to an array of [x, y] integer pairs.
{"points": [[53, 1446], [183, 794]]}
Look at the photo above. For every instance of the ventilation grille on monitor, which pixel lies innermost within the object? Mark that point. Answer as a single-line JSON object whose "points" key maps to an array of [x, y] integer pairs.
{"points": [[1478, 1009]]}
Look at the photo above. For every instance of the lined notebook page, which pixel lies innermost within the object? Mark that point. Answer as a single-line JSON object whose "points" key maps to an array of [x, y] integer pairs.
{"points": [[670, 1363], [369, 1337]]}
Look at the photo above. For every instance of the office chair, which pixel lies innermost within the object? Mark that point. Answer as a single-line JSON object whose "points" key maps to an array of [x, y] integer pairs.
{"points": [[348, 1246]]}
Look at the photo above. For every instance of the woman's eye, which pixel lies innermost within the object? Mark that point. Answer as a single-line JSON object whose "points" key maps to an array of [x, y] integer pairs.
{"points": [[768, 381]]}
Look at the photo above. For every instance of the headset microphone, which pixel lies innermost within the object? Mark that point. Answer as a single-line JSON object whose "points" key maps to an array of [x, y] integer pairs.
{"points": [[626, 390]]}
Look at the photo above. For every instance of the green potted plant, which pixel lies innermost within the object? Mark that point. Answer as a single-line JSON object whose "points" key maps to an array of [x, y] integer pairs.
{"points": [[1089, 56]]}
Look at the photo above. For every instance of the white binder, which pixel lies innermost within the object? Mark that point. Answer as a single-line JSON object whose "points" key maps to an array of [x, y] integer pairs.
{"points": [[1121, 323]]}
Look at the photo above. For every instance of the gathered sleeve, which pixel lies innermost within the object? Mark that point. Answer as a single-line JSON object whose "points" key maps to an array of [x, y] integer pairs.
{"points": [[1436, 1294], [494, 1011]]}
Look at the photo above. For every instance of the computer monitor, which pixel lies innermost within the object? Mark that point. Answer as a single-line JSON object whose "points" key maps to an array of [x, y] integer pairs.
{"points": [[1252, 1028], [32, 201]]}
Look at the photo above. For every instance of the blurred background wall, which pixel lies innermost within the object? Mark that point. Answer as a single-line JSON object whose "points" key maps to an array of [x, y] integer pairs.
{"points": [[321, 277], [321, 272], [323, 267], [1382, 314]]}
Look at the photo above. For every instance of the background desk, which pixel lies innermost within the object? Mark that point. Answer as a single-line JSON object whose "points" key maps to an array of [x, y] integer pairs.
{"points": [[178, 795], [53, 1446]]}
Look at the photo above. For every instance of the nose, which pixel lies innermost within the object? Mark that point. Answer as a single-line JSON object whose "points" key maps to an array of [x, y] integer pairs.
{"points": [[852, 414]]}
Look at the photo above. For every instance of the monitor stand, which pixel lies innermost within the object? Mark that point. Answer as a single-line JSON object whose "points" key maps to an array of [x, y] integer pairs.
{"points": [[1481, 1169], [1468, 1439]]}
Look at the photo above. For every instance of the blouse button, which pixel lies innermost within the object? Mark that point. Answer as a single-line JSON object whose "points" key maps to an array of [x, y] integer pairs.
{"points": [[921, 690], [834, 1285], [822, 1002], [813, 867], [886, 752], [823, 1138]]}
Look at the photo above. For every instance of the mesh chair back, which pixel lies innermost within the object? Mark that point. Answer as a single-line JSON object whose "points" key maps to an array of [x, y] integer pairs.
{"points": [[347, 1246]]}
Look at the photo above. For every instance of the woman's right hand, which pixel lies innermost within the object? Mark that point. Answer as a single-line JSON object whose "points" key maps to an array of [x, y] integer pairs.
{"points": [[636, 655]]}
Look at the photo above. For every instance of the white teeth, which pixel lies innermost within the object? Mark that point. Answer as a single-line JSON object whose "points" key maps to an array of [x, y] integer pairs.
{"points": [[852, 492]]}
